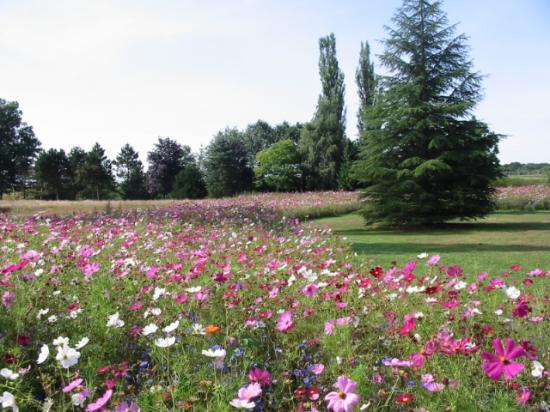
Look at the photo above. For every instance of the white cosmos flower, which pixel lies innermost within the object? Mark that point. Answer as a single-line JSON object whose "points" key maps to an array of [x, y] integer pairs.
{"points": [[7, 400], [172, 327], [67, 356], [115, 321], [194, 289], [512, 292], [47, 405], [149, 329], [77, 400], [460, 285], [158, 293], [42, 312], [61, 341], [242, 404], [165, 342], [214, 353], [43, 355], [537, 370], [83, 342], [8, 374], [52, 319], [156, 311], [197, 329], [422, 255]]}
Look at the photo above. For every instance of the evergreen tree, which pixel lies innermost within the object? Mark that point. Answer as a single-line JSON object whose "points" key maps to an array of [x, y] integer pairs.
{"points": [[52, 174], [322, 141], [75, 159], [189, 183], [425, 157], [166, 160], [95, 175], [129, 171], [18, 148], [227, 165], [366, 84]]}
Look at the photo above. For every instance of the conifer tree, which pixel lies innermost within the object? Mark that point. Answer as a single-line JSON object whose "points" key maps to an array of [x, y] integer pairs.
{"points": [[129, 170], [426, 159]]}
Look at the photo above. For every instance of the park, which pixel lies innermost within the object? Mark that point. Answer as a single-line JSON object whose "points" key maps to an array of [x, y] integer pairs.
{"points": [[394, 260]]}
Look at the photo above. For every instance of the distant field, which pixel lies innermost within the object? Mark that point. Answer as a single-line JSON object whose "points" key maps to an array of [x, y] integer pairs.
{"points": [[522, 180], [492, 244], [67, 207]]}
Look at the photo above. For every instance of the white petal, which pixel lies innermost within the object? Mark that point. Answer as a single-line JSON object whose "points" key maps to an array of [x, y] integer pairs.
{"points": [[43, 355]]}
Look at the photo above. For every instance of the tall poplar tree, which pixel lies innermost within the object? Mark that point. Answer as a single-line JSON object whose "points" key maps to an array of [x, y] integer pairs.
{"points": [[426, 159], [322, 142], [366, 84]]}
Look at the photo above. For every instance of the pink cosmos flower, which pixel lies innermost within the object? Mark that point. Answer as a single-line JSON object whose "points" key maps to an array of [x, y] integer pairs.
{"points": [[285, 323], [501, 363], [433, 260], [250, 391], [317, 369], [72, 385], [409, 324], [344, 399], [90, 268], [8, 298], [523, 396], [310, 290], [101, 402]]}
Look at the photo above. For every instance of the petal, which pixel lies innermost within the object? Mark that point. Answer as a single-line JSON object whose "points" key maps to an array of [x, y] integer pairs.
{"points": [[513, 369], [497, 344]]}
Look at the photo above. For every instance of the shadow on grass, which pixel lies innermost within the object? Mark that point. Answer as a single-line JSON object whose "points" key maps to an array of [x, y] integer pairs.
{"points": [[415, 247], [449, 228]]}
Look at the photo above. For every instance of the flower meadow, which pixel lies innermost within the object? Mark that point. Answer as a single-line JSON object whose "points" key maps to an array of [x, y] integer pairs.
{"points": [[528, 197], [236, 304]]}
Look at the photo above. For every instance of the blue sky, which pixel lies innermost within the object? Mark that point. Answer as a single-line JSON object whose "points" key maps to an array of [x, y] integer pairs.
{"points": [[130, 71]]}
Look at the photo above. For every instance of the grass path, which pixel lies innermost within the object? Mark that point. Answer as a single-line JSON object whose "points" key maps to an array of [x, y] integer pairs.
{"points": [[492, 244]]}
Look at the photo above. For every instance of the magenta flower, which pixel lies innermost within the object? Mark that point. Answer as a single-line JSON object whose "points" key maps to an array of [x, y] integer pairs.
{"points": [[501, 363], [523, 396], [344, 399], [285, 323], [259, 376]]}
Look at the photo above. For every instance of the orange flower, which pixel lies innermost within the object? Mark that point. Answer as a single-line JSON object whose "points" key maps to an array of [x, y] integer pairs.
{"points": [[212, 329]]}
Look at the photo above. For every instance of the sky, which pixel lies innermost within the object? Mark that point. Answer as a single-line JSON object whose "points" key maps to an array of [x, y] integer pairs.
{"points": [[118, 71]]}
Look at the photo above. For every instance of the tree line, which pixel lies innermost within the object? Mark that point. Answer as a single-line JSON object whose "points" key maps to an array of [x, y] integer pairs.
{"points": [[422, 156], [315, 155]]}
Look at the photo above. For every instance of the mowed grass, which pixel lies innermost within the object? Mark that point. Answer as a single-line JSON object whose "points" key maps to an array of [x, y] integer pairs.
{"points": [[489, 245]]}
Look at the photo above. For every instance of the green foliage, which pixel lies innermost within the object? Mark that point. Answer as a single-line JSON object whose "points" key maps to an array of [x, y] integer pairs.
{"points": [[226, 163], [322, 141], [517, 168], [189, 183], [94, 175], [19, 148], [129, 171], [279, 167], [166, 160], [52, 172], [424, 158]]}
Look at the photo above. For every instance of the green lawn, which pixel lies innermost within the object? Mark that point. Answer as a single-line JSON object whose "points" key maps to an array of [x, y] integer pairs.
{"points": [[492, 244]]}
